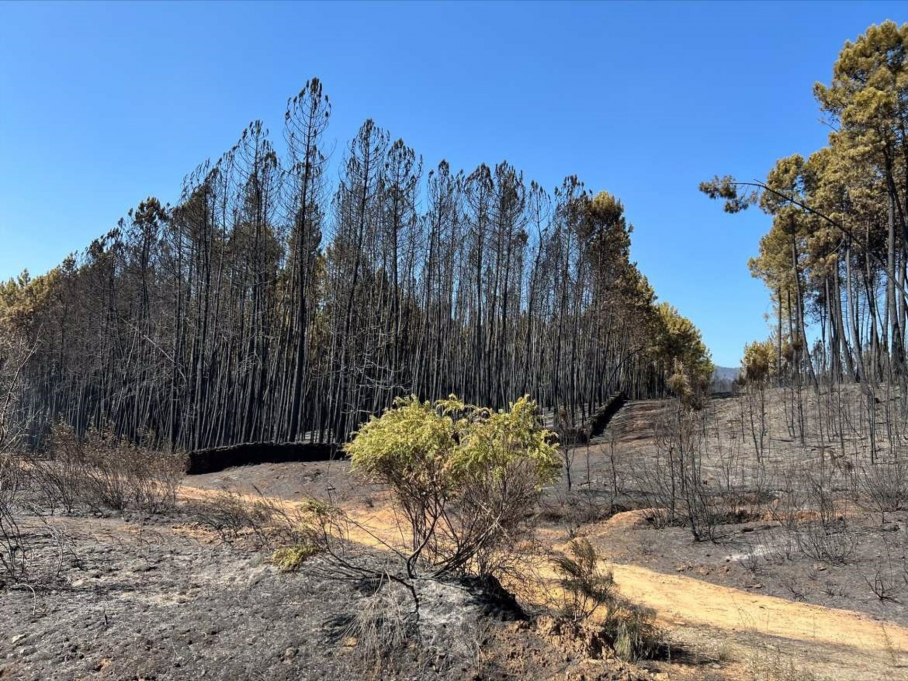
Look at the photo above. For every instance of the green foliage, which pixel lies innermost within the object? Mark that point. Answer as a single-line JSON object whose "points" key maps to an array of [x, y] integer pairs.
{"points": [[628, 629], [465, 477], [730, 190], [492, 442], [586, 587], [291, 558], [410, 448], [23, 299], [632, 630], [869, 85], [834, 207], [679, 346], [417, 446]]}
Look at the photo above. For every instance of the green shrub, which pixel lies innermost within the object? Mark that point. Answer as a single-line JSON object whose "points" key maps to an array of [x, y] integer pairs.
{"points": [[291, 558], [466, 478], [632, 630]]}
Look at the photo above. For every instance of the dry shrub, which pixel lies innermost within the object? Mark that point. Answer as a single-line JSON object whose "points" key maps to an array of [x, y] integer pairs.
{"points": [[420, 629], [627, 629], [829, 538], [32, 551], [57, 480], [812, 511], [788, 511], [674, 485], [889, 581], [101, 472], [771, 664], [491, 518], [12, 556], [234, 518], [260, 522], [576, 508], [883, 486], [15, 543], [293, 533]]}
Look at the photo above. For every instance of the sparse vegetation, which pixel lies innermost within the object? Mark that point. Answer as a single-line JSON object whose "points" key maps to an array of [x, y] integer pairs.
{"points": [[629, 630], [13, 554], [586, 586], [382, 626], [291, 558], [103, 472], [294, 532]]}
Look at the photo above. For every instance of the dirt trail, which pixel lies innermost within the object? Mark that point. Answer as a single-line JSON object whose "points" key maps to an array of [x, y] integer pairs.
{"points": [[681, 600], [684, 600]]}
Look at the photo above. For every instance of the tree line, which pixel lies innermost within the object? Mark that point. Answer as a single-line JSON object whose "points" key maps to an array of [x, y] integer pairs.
{"points": [[836, 256], [271, 304]]}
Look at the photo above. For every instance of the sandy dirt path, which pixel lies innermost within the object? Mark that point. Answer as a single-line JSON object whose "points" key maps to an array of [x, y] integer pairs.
{"points": [[686, 601], [750, 619]]}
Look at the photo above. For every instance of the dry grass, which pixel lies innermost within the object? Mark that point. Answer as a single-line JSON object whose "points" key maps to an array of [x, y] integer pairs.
{"points": [[260, 522], [383, 625], [770, 664]]}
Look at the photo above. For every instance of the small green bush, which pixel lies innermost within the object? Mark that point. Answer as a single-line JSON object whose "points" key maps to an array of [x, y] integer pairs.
{"points": [[291, 558], [585, 586], [466, 478], [632, 630]]}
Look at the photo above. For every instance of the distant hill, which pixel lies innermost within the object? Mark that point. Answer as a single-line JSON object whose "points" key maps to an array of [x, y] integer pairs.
{"points": [[723, 377], [725, 373]]}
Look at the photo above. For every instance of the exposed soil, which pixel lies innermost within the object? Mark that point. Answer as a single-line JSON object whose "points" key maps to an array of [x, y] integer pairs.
{"points": [[756, 554], [144, 598], [741, 591], [714, 605], [152, 599], [143, 601]]}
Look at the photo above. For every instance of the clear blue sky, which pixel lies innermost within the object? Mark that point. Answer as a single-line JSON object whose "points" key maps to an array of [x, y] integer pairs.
{"points": [[103, 104]]}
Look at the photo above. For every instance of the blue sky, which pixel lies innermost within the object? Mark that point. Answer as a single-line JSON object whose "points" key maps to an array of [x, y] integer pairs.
{"points": [[103, 104]]}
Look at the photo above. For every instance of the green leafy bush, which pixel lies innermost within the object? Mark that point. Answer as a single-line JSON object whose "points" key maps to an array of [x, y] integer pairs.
{"points": [[466, 478], [291, 558]]}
